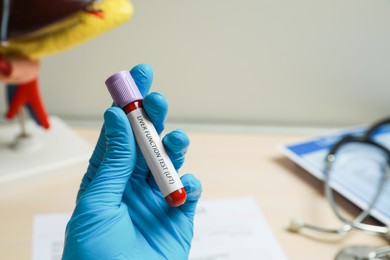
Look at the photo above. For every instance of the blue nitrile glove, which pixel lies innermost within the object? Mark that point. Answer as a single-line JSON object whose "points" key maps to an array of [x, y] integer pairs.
{"points": [[120, 213]]}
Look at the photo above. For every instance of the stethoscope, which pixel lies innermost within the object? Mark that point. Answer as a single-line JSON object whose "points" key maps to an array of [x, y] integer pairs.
{"points": [[363, 253], [354, 252]]}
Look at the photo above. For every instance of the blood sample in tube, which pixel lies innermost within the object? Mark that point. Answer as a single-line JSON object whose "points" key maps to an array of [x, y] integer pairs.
{"points": [[126, 95]]}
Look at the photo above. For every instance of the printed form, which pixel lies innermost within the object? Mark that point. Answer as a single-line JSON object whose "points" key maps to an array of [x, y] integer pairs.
{"points": [[227, 229]]}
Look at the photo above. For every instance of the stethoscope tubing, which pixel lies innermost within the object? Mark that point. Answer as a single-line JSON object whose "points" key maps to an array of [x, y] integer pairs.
{"points": [[357, 222]]}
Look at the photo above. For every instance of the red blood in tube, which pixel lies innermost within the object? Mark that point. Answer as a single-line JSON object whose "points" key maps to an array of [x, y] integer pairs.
{"points": [[177, 198]]}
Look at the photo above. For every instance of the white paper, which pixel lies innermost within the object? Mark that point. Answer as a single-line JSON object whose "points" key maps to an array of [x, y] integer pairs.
{"points": [[233, 229], [48, 236], [224, 230]]}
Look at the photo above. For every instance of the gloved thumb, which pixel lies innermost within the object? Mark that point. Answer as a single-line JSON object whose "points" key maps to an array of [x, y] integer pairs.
{"points": [[107, 186]]}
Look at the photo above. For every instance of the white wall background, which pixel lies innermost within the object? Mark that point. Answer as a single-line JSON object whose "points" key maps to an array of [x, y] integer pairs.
{"points": [[260, 62]]}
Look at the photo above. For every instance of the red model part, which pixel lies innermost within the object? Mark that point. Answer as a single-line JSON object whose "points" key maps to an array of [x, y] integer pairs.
{"points": [[28, 93], [5, 67]]}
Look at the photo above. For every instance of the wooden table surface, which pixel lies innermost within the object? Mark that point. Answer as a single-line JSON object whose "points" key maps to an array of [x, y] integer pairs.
{"points": [[229, 165]]}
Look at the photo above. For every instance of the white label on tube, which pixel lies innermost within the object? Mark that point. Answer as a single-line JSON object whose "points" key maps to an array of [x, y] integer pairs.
{"points": [[154, 152]]}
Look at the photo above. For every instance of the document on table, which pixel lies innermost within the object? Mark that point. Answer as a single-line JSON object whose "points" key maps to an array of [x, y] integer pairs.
{"points": [[357, 183], [227, 229], [48, 236], [233, 229]]}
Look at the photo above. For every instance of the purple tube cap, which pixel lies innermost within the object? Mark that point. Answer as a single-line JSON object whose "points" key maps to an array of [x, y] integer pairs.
{"points": [[123, 89]]}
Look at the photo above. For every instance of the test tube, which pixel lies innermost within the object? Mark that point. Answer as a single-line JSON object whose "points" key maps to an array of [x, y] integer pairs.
{"points": [[126, 95]]}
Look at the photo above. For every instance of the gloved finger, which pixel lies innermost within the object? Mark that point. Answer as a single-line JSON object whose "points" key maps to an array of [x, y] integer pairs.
{"points": [[107, 187], [143, 77], [94, 162], [176, 144], [193, 188], [156, 106]]}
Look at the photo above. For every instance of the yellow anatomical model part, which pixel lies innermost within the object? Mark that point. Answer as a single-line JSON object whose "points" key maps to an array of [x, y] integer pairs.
{"points": [[33, 29]]}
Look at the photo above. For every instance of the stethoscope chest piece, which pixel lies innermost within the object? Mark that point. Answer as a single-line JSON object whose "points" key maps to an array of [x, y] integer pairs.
{"points": [[359, 253]]}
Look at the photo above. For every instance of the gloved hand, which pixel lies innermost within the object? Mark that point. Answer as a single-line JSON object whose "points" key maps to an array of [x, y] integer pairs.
{"points": [[120, 213]]}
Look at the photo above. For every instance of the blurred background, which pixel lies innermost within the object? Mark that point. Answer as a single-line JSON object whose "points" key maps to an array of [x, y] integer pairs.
{"points": [[322, 63]]}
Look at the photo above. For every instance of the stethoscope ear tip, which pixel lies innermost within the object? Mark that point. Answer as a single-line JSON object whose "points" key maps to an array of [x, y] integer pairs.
{"points": [[296, 225]]}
